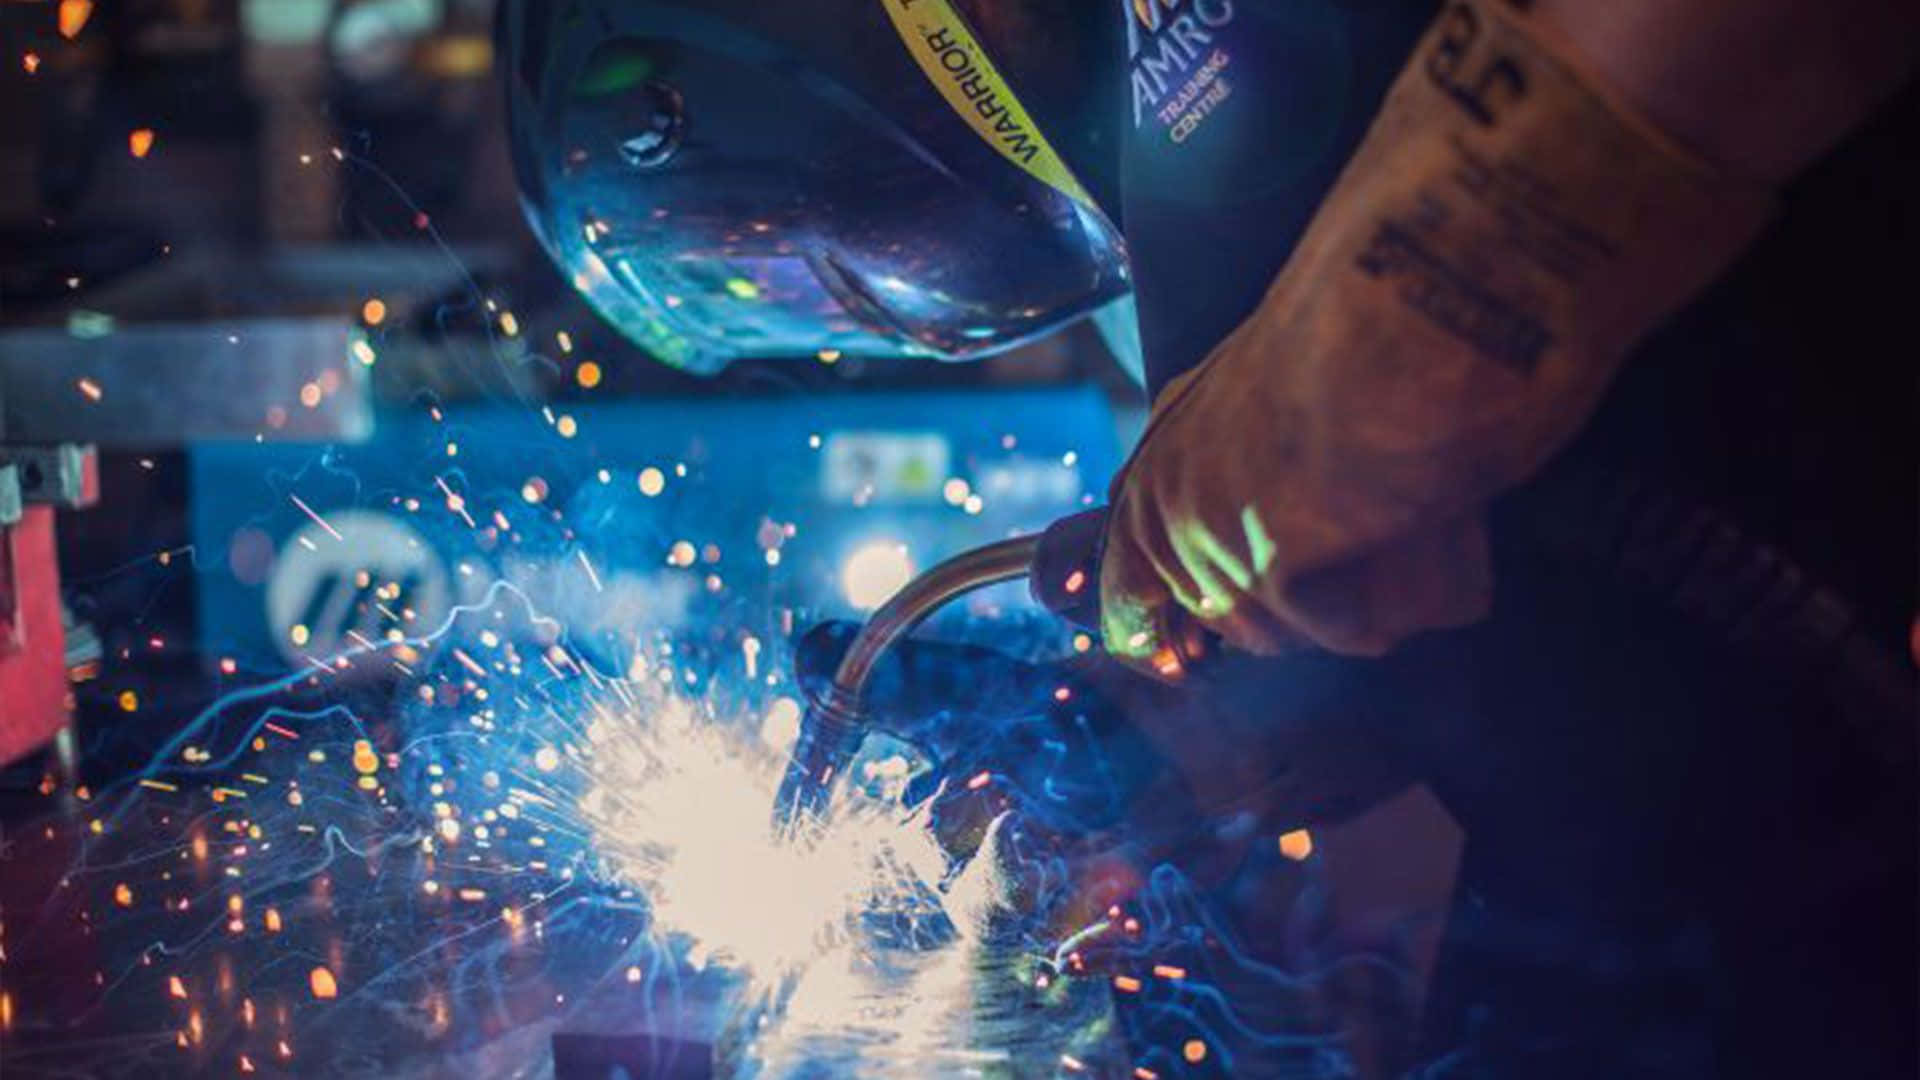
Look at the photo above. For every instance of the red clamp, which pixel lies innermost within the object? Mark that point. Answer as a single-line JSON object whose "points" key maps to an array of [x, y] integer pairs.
{"points": [[34, 481]]}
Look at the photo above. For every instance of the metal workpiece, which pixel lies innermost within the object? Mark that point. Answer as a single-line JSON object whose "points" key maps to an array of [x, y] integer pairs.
{"points": [[836, 720], [990, 564]]}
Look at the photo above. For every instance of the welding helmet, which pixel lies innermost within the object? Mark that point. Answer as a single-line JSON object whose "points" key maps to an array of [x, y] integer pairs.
{"points": [[727, 178]]}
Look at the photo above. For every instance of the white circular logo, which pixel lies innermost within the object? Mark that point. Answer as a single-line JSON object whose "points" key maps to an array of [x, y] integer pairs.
{"points": [[351, 583]]}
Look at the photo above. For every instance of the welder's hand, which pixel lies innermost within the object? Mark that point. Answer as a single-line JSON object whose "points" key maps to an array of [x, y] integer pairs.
{"points": [[1220, 524], [1503, 234]]}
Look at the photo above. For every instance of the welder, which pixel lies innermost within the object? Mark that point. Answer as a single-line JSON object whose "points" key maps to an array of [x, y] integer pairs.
{"points": [[1539, 357]]}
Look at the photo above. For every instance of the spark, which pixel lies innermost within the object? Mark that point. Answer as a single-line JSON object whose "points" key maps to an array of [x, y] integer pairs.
{"points": [[140, 142], [1296, 845], [158, 785], [782, 725], [317, 519], [73, 17], [1167, 662], [90, 388], [324, 986], [679, 804], [874, 572], [588, 566], [455, 502]]}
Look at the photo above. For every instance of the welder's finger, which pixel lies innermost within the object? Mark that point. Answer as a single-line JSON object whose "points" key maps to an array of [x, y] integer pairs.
{"points": [[1135, 605], [1162, 639], [1249, 627], [1223, 597]]}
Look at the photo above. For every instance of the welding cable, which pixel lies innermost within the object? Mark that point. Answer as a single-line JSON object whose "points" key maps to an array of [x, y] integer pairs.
{"points": [[1703, 566]]}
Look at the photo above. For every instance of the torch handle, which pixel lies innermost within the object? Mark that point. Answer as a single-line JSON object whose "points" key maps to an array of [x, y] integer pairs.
{"points": [[1066, 567]]}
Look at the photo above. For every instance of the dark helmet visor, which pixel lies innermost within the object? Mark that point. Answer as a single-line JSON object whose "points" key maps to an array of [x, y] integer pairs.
{"points": [[747, 180]]}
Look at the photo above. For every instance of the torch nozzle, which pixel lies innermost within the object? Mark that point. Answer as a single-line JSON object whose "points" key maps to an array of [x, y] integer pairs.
{"points": [[835, 721]]}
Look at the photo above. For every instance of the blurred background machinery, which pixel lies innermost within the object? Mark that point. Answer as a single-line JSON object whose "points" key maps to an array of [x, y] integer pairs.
{"points": [[39, 652], [262, 267], [228, 223]]}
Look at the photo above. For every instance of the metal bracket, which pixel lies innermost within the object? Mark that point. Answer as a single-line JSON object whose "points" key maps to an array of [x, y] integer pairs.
{"points": [[64, 475]]}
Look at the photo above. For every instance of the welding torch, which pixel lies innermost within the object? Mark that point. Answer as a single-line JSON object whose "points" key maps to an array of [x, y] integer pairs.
{"points": [[1062, 568]]}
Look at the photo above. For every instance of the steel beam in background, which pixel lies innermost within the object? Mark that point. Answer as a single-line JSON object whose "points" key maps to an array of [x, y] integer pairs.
{"points": [[289, 282], [169, 384]]}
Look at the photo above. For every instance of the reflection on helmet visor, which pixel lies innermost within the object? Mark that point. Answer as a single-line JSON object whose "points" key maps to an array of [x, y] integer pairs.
{"points": [[747, 306]]}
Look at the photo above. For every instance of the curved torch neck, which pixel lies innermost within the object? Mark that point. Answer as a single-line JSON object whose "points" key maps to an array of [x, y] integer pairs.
{"points": [[990, 564]]}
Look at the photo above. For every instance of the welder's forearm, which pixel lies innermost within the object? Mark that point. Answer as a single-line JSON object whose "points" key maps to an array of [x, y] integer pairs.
{"points": [[1511, 225], [1759, 87]]}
